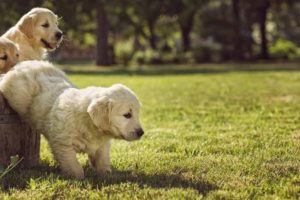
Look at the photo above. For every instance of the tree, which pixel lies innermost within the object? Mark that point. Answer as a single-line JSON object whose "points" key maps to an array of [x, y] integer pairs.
{"points": [[186, 15], [149, 11], [238, 44], [185, 11], [260, 13], [143, 16], [93, 18], [263, 8], [102, 36]]}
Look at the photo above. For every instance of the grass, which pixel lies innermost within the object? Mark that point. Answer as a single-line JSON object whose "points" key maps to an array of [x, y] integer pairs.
{"points": [[229, 135]]}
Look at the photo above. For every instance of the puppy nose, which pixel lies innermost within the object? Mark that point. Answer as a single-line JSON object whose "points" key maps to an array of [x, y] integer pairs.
{"points": [[140, 132], [58, 35]]}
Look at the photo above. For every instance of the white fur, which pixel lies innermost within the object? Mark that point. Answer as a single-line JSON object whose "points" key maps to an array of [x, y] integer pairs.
{"points": [[73, 120], [29, 31]]}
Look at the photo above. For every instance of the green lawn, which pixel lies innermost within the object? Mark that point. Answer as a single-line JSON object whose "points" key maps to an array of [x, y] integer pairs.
{"points": [[227, 135]]}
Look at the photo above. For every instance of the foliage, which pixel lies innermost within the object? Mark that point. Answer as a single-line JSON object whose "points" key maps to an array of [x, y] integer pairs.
{"points": [[285, 49], [147, 56], [124, 52], [175, 25], [14, 161]]}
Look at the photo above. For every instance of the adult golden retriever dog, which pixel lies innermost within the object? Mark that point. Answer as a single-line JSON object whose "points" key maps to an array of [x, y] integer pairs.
{"points": [[9, 55], [36, 33], [73, 120]]}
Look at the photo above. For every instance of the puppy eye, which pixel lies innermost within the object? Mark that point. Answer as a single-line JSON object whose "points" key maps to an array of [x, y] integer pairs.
{"points": [[4, 57], [17, 55], [127, 115], [46, 25]]}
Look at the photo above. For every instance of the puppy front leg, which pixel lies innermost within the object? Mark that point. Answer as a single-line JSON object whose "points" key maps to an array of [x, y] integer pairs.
{"points": [[100, 159], [66, 157]]}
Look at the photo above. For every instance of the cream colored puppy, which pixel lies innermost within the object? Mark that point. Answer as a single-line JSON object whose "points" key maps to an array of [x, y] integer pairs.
{"points": [[36, 33], [73, 120], [9, 55]]}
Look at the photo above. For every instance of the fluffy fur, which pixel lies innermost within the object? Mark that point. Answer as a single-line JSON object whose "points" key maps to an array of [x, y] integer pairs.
{"points": [[73, 120], [9, 55], [35, 33]]}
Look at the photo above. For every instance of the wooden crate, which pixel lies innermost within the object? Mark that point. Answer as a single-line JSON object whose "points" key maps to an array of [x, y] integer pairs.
{"points": [[17, 138]]}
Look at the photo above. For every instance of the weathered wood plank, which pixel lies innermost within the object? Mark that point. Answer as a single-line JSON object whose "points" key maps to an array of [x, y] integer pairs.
{"points": [[17, 138]]}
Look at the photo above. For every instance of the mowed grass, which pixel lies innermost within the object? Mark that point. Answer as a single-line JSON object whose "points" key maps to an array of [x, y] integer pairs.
{"points": [[229, 135]]}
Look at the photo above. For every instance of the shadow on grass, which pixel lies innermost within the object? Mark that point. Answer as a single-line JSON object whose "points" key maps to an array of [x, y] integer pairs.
{"points": [[150, 180], [20, 178], [178, 70]]}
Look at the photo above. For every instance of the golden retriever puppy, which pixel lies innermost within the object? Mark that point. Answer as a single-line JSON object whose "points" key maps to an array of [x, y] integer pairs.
{"points": [[9, 55], [73, 120], [36, 33]]}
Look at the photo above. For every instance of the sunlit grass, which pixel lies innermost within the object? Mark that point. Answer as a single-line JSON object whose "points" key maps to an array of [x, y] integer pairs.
{"points": [[213, 135]]}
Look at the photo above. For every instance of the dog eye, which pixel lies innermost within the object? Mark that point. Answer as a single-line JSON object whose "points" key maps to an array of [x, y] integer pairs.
{"points": [[46, 25], [127, 115], [17, 55], [4, 57]]}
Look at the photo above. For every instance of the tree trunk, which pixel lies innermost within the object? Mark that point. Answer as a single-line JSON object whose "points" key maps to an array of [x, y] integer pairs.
{"points": [[185, 40], [186, 26], [237, 40], [102, 36], [263, 13], [17, 138], [152, 37], [185, 35]]}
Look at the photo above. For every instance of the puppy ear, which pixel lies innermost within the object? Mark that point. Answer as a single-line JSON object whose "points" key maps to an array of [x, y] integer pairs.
{"points": [[99, 111], [26, 26]]}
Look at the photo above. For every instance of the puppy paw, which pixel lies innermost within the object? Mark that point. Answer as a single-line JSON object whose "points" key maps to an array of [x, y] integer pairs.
{"points": [[74, 173], [79, 175], [104, 170]]}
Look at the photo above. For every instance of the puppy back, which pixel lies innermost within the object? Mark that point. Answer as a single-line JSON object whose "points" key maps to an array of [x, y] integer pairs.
{"points": [[25, 81]]}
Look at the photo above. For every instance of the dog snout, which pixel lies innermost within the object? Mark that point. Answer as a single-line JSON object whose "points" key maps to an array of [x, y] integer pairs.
{"points": [[58, 35], [140, 132]]}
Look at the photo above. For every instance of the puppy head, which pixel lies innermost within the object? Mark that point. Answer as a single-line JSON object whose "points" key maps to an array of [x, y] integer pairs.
{"points": [[40, 25], [8, 55], [117, 112]]}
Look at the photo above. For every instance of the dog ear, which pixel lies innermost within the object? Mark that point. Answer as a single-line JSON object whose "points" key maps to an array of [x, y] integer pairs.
{"points": [[26, 25], [99, 111]]}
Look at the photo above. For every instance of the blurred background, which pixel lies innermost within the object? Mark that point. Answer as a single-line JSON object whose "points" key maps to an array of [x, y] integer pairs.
{"points": [[156, 32]]}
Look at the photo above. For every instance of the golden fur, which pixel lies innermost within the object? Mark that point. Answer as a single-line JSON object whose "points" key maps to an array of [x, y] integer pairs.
{"points": [[35, 34], [9, 55], [73, 120]]}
